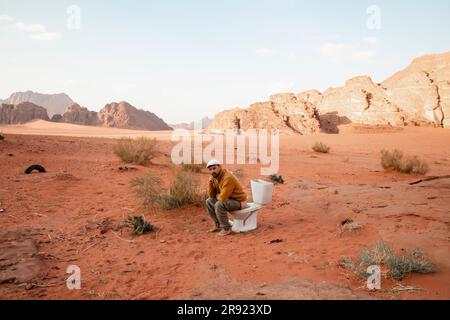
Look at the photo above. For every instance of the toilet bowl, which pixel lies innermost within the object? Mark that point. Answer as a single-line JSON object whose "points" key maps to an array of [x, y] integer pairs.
{"points": [[246, 219]]}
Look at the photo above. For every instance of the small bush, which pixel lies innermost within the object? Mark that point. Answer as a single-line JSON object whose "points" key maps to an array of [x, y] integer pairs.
{"points": [[413, 262], [276, 179], [399, 266], [139, 225], [239, 173], [394, 160], [147, 189], [193, 167], [321, 147], [377, 255], [184, 190], [2, 137], [140, 150]]}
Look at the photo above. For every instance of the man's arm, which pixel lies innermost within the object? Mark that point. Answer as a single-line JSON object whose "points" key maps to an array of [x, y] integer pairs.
{"points": [[212, 192], [226, 190]]}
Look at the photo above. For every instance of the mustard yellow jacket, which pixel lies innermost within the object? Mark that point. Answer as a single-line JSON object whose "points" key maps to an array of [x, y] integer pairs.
{"points": [[225, 187]]}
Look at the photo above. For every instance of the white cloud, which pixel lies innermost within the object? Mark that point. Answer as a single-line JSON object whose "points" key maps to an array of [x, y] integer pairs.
{"points": [[371, 40], [6, 19], [35, 31], [46, 36], [265, 51], [339, 52]]}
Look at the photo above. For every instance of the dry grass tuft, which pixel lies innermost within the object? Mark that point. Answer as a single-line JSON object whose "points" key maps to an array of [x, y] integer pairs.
{"points": [[321, 147], [394, 160], [183, 191], [139, 151]]}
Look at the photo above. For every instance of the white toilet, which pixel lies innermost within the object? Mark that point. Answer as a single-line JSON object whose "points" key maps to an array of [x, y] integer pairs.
{"points": [[246, 219]]}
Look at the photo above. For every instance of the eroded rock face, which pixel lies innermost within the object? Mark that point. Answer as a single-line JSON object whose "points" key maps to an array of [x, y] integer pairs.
{"points": [[123, 115], [21, 113], [421, 90], [78, 115], [362, 101], [283, 112], [417, 95]]}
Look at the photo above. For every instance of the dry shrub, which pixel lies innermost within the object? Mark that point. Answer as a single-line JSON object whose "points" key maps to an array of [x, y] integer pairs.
{"points": [[394, 160], [139, 225], [184, 190], [193, 167], [239, 173], [140, 150], [321, 147], [381, 254], [276, 179]]}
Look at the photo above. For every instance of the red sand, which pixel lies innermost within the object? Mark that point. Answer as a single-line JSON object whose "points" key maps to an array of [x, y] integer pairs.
{"points": [[83, 188]]}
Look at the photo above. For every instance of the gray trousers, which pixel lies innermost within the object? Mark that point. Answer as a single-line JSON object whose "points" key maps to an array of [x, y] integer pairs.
{"points": [[218, 211]]}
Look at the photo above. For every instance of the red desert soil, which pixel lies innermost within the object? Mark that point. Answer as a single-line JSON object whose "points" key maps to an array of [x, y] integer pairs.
{"points": [[60, 218]]}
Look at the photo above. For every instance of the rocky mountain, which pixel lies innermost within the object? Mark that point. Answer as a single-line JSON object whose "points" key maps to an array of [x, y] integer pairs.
{"points": [[417, 95], [204, 122], [54, 103], [123, 115], [78, 115], [21, 113], [117, 115]]}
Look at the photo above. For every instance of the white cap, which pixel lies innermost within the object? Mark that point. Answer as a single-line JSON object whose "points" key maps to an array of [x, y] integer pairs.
{"points": [[213, 163]]}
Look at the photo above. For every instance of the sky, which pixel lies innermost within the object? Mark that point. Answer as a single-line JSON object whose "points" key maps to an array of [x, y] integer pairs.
{"points": [[184, 60]]}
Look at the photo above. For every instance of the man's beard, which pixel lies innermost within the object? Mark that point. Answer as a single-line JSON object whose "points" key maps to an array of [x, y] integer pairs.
{"points": [[215, 175]]}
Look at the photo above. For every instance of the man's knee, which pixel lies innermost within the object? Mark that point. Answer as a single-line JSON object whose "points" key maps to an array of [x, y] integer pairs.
{"points": [[219, 205], [210, 201]]}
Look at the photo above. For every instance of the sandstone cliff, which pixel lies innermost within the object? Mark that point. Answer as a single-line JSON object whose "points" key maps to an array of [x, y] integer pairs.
{"points": [[21, 113], [417, 95]]}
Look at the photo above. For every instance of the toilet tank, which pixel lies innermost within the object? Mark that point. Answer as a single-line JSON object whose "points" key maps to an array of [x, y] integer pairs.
{"points": [[262, 191]]}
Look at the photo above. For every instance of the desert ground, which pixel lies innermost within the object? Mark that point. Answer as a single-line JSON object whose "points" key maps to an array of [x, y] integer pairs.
{"points": [[61, 218]]}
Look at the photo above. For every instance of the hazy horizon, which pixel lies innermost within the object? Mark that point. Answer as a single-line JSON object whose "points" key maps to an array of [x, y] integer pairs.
{"points": [[185, 61]]}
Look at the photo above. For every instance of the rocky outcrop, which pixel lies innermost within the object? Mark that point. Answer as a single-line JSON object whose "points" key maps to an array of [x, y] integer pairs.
{"points": [[53, 103], [78, 115], [21, 113], [283, 112], [422, 89], [203, 123], [417, 95], [361, 101], [123, 115]]}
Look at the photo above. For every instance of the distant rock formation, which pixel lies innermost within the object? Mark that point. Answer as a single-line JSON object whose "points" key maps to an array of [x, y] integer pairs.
{"points": [[53, 103], [283, 112], [204, 122], [21, 113], [78, 115], [125, 116], [417, 95]]}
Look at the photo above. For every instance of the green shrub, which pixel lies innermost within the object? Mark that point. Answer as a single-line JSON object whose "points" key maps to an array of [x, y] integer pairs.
{"points": [[140, 150]]}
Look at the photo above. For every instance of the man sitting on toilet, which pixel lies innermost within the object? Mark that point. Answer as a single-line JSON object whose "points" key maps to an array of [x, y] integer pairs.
{"points": [[225, 195]]}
